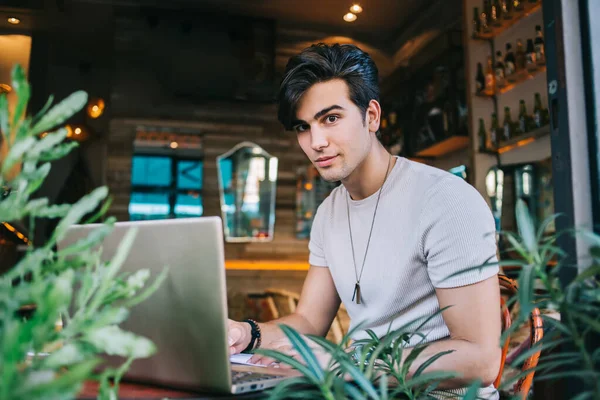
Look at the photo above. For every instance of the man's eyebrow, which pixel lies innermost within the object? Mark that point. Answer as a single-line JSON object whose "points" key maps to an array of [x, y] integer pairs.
{"points": [[319, 114]]}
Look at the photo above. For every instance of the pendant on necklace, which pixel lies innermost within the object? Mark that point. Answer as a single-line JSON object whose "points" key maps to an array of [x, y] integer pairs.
{"points": [[356, 293]]}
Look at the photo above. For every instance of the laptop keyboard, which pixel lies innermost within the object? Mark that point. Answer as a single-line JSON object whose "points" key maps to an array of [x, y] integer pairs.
{"points": [[238, 377]]}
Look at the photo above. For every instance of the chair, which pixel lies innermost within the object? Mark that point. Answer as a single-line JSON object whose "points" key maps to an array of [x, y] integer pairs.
{"points": [[536, 333], [280, 302]]}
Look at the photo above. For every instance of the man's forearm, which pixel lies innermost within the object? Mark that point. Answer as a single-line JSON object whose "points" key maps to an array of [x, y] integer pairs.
{"points": [[470, 360], [271, 331]]}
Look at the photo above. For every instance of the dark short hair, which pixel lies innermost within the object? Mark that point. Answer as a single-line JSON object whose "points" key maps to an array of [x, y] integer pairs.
{"points": [[321, 63]]}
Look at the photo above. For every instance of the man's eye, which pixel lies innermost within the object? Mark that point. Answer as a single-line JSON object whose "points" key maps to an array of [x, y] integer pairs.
{"points": [[301, 128], [331, 119]]}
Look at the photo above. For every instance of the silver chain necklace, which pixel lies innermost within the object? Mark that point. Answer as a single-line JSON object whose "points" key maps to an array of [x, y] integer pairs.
{"points": [[356, 294]]}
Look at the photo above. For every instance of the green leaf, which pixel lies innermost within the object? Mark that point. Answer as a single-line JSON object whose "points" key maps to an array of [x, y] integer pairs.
{"points": [[116, 342], [472, 391], [430, 361], [101, 212], [37, 178], [284, 358], [429, 377], [412, 356], [67, 381], [589, 272], [544, 224], [58, 152], [84, 206], [359, 378], [50, 141], [61, 112], [16, 153], [540, 346], [23, 92], [44, 110], [148, 291], [94, 238], [4, 131], [526, 290], [53, 211], [593, 323], [304, 350], [67, 355], [354, 393], [526, 226]]}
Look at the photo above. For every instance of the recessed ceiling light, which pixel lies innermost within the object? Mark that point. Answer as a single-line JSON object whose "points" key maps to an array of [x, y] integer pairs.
{"points": [[14, 20], [356, 9], [349, 17]]}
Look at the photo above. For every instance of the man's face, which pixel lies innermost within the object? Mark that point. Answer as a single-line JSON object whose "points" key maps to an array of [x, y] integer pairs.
{"points": [[332, 130]]}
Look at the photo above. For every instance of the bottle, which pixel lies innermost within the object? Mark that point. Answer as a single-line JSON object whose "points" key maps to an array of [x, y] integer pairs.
{"points": [[517, 5], [490, 80], [538, 111], [476, 22], [479, 79], [540, 54], [494, 17], [497, 13], [509, 61], [448, 120], [520, 57], [530, 55], [507, 124], [494, 130], [499, 70], [524, 124], [482, 134], [505, 5]]}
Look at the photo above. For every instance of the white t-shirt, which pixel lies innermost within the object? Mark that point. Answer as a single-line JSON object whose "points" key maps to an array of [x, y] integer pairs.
{"points": [[429, 225]]}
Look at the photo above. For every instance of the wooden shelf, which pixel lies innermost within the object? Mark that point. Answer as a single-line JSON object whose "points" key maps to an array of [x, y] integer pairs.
{"points": [[444, 147], [519, 141], [528, 9], [514, 80], [271, 265]]}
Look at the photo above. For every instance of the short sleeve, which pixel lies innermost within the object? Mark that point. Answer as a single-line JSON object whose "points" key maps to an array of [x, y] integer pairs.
{"points": [[315, 244], [457, 233]]}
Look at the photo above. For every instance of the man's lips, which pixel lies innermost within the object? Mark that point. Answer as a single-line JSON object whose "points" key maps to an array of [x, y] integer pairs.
{"points": [[325, 161]]}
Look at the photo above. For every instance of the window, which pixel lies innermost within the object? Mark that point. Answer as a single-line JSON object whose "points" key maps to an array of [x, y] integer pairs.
{"points": [[165, 186]]}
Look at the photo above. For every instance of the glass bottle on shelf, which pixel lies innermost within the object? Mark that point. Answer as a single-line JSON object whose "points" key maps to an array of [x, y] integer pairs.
{"points": [[524, 119], [496, 15], [483, 137], [506, 6], [540, 54], [476, 22], [507, 127], [499, 70], [509, 61], [530, 63], [494, 130], [490, 79], [520, 57], [517, 5], [538, 111], [479, 79]]}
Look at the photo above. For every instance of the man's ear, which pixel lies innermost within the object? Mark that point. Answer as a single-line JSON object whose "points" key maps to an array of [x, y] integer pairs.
{"points": [[373, 116]]}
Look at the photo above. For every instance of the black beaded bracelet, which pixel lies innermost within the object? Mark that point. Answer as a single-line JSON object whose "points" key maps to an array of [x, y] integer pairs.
{"points": [[256, 336]]}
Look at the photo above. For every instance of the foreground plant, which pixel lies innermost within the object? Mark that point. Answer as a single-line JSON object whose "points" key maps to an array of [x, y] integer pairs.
{"points": [[37, 360]]}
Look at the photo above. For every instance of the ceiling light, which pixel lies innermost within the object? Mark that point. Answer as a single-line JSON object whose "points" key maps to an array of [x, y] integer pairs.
{"points": [[78, 131], [349, 17], [14, 20], [174, 145], [356, 9]]}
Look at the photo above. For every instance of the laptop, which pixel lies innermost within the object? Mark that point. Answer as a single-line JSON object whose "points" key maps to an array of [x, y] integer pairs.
{"points": [[187, 316]]}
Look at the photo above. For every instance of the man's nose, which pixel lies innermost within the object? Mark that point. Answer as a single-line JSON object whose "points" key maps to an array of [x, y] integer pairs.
{"points": [[318, 139]]}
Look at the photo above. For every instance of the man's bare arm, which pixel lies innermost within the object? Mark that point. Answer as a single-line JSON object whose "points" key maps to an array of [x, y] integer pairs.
{"points": [[317, 307], [475, 326]]}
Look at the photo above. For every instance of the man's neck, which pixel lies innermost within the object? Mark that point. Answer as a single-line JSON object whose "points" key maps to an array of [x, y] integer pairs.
{"points": [[368, 177]]}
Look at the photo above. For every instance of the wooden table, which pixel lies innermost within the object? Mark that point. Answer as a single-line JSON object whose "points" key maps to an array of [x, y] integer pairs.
{"points": [[133, 391]]}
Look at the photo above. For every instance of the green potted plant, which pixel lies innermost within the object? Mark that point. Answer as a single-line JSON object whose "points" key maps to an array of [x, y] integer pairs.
{"points": [[38, 361]]}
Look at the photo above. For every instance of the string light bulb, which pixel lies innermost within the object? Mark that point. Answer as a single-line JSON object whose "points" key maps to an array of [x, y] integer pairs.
{"points": [[14, 20], [349, 17], [356, 9]]}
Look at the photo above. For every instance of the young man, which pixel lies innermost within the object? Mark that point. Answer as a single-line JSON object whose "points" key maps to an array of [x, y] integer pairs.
{"points": [[389, 241]]}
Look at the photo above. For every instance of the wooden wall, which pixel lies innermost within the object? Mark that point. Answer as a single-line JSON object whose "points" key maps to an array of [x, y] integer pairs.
{"points": [[218, 137]]}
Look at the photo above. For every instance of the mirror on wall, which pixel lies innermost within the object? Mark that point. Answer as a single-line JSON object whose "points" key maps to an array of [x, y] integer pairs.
{"points": [[247, 186], [311, 190]]}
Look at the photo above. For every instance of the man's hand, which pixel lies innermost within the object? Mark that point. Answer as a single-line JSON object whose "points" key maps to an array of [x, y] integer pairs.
{"points": [[284, 346], [239, 335]]}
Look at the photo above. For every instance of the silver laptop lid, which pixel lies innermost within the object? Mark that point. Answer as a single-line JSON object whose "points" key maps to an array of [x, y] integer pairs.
{"points": [[186, 316]]}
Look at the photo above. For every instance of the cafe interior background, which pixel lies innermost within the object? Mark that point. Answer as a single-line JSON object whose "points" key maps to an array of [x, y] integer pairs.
{"points": [[181, 120]]}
